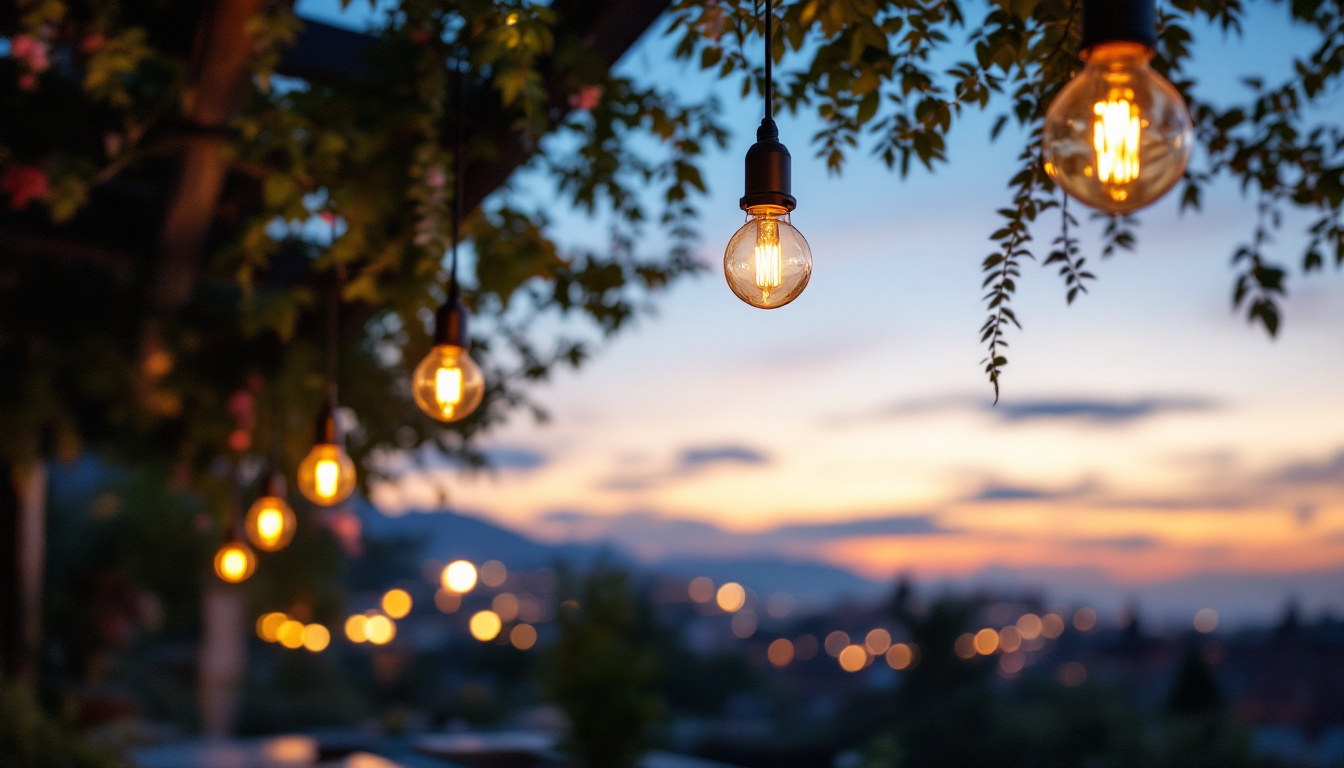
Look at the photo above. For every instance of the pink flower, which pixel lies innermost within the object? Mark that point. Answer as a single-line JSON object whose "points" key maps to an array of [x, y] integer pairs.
{"points": [[31, 51], [587, 98], [24, 184]]}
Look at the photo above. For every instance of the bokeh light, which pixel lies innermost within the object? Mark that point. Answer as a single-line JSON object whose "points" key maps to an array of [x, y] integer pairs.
{"points": [[836, 642], [805, 647], [523, 636], [1206, 620], [447, 601], [316, 638], [290, 634], [355, 628], [1085, 619], [380, 630], [701, 589], [899, 656], [493, 573], [1052, 625], [1012, 663], [780, 605], [731, 597], [965, 646], [268, 626], [1010, 639], [506, 605], [485, 626], [1071, 674], [853, 658], [397, 603], [459, 576], [744, 625], [878, 641], [1029, 626], [986, 641], [780, 652]]}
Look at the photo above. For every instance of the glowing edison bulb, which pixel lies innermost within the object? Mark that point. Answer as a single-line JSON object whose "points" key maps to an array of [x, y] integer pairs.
{"points": [[448, 384], [234, 562], [269, 524], [1118, 136], [327, 475], [768, 263]]}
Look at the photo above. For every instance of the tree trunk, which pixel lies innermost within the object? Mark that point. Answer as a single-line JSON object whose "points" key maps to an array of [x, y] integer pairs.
{"points": [[23, 546], [223, 656]]}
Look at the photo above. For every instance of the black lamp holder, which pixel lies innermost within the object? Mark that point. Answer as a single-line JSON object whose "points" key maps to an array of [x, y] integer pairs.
{"points": [[769, 166], [450, 322], [1118, 21]]}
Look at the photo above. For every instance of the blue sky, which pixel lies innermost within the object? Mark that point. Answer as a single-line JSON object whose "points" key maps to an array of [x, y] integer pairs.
{"points": [[1149, 442]]}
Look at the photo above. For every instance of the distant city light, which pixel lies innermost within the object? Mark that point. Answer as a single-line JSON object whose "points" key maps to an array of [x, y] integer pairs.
{"points": [[1071, 674], [354, 628], [530, 609], [780, 605], [744, 625], [397, 603], [459, 576], [1052, 625], [878, 641], [805, 647], [1085, 620], [523, 636], [836, 642], [447, 601], [1029, 626], [899, 656], [506, 605], [1206, 620], [965, 646], [485, 626], [986, 641], [701, 589], [493, 573], [731, 597], [268, 626], [316, 638], [380, 630], [780, 652], [1012, 663], [1010, 639], [853, 658], [290, 634]]}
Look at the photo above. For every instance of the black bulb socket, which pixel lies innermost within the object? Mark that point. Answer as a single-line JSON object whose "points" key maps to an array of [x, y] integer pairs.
{"points": [[1119, 21], [769, 171], [273, 484], [450, 322], [326, 429]]}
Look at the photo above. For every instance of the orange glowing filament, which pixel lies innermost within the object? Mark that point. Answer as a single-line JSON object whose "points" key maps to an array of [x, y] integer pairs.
{"points": [[1115, 138]]}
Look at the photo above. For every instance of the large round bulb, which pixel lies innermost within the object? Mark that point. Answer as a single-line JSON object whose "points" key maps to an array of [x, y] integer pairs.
{"points": [[270, 523], [234, 562], [326, 475], [1118, 136], [768, 263], [448, 384]]}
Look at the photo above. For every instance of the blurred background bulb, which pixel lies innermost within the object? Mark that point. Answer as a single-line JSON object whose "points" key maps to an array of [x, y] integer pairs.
{"points": [[448, 384], [270, 524], [327, 475], [234, 562], [768, 263], [1118, 136]]}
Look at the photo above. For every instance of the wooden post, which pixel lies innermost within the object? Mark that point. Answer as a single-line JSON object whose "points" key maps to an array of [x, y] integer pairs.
{"points": [[223, 661]]}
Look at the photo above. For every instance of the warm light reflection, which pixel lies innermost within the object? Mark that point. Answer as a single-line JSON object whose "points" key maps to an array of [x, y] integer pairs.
{"points": [[731, 597], [485, 626], [523, 636], [1029, 626], [853, 658], [1206, 620], [701, 589], [354, 628], [986, 641], [780, 652], [459, 576], [397, 603], [380, 630], [899, 656], [316, 638]]}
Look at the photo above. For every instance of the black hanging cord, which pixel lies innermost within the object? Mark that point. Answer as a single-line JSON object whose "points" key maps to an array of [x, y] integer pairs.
{"points": [[769, 57], [456, 217], [333, 320]]}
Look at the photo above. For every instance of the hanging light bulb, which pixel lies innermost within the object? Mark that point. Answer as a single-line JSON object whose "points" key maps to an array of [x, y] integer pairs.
{"points": [[326, 474], [234, 562], [1118, 136], [767, 262], [270, 521], [447, 384]]}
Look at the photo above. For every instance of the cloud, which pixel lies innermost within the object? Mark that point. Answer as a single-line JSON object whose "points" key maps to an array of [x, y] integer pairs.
{"points": [[520, 459], [1312, 473], [691, 461], [901, 525], [1095, 411]]}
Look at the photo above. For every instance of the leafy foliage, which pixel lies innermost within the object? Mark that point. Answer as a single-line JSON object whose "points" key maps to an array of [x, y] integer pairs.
{"points": [[31, 738]]}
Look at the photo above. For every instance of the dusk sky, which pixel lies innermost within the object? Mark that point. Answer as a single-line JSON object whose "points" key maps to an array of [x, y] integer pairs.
{"points": [[1149, 443]]}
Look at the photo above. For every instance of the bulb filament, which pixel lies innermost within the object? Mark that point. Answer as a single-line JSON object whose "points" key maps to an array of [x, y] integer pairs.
{"points": [[270, 524], [1115, 138], [448, 388], [327, 474], [769, 258], [233, 565]]}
